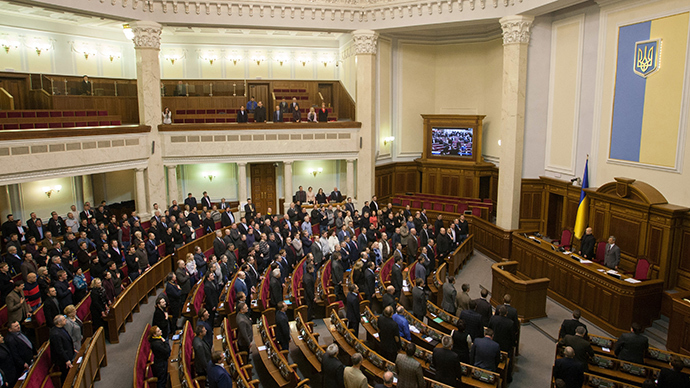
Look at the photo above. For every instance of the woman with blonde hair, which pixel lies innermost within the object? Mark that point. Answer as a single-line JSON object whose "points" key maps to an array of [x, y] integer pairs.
{"points": [[99, 305], [311, 116], [190, 264], [74, 326]]}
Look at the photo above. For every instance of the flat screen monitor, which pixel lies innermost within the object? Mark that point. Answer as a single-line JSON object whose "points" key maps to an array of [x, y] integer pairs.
{"points": [[452, 142]]}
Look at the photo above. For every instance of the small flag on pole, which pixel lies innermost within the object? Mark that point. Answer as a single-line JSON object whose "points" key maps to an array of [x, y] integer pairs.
{"points": [[583, 207]]}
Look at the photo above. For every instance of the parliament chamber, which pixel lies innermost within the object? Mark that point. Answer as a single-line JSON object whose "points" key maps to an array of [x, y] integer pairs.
{"points": [[318, 193]]}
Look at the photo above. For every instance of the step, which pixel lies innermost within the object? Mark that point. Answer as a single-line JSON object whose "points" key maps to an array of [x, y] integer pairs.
{"points": [[657, 335], [661, 324]]}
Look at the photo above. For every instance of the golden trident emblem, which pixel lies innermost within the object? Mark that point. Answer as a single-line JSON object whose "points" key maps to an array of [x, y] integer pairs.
{"points": [[645, 59]]}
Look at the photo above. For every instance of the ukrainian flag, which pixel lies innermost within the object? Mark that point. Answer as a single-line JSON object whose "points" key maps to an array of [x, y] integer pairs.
{"points": [[583, 207], [648, 92]]}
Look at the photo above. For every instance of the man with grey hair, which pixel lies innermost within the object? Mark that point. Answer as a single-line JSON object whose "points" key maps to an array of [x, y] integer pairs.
{"points": [[332, 368], [446, 361], [387, 380], [612, 257], [61, 346], [275, 288], [353, 376]]}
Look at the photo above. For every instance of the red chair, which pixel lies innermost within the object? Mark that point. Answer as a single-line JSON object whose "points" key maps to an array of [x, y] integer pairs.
{"points": [[642, 269], [601, 252], [92, 113], [566, 240]]}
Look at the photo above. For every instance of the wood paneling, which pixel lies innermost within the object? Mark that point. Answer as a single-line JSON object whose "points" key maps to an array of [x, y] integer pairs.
{"points": [[490, 239], [126, 107], [531, 200], [396, 178]]}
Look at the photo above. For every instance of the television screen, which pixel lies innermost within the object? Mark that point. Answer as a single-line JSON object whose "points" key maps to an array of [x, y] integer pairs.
{"points": [[452, 141]]}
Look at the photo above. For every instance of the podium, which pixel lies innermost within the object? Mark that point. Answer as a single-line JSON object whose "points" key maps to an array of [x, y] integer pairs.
{"points": [[528, 295]]}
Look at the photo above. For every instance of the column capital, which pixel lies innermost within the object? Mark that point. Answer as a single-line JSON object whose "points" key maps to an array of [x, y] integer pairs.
{"points": [[365, 41], [140, 169], [350, 160], [242, 164], [516, 29], [287, 162], [146, 34], [171, 166]]}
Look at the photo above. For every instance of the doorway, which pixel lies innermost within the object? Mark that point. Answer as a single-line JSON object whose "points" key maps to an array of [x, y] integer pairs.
{"points": [[555, 216], [260, 93], [263, 177], [325, 93]]}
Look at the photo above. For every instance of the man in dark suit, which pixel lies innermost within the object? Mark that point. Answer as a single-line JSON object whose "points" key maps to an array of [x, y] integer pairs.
{"points": [[245, 335], [282, 326], [449, 295], [191, 201], [673, 378], [332, 369], [588, 244], [571, 371], [20, 346], [337, 273], [206, 200], [569, 325], [369, 281], [249, 210], [227, 218], [352, 309], [512, 312], [85, 86], [350, 206], [419, 299], [278, 115], [446, 361], [61, 346], [396, 276], [613, 254], [336, 195], [207, 224], [484, 307], [309, 296], [219, 246], [294, 109], [242, 115], [202, 352], [389, 335], [582, 347], [275, 288], [473, 321], [260, 113], [632, 346], [51, 306], [218, 376], [301, 195], [485, 352], [504, 335], [283, 107], [388, 298]]}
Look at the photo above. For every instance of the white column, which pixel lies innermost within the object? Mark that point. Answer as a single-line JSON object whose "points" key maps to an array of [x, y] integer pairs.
{"points": [[147, 42], [350, 178], [365, 58], [172, 184], [242, 182], [87, 188], [516, 33], [287, 179], [142, 208]]}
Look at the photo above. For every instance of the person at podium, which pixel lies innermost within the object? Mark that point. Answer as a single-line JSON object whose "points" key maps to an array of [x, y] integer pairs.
{"points": [[588, 244]]}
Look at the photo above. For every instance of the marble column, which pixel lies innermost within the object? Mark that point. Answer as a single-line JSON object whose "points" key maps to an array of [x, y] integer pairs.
{"points": [[78, 183], [365, 58], [6, 204], [287, 178], [242, 182], [142, 207], [147, 42], [172, 184], [350, 178], [516, 34], [87, 189]]}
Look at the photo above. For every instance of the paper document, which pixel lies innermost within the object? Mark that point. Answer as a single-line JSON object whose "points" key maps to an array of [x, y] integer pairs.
{"points": [[583, 261], [631, 280], [219, 336], [428, 339], [376, 335], [606, 350], [261, 348], [438, 320]]}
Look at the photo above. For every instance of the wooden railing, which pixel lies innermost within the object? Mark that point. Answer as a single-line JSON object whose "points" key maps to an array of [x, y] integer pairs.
{"points": [[129, 300], [490, 239], [6, 100], [94, 358], [458, 258]]}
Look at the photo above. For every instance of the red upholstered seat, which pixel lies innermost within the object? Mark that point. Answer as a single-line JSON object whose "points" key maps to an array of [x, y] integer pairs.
{"points": [[642, 269], [68, 113], [26, 126], [92, 113], [198, 121], [102, 112], [179, 111], [190, 111], [14, 115], [566, 239], [601, 252], [412, 274], [43, 114], [55, 113], [210, 111], [55, 125], [80, 113], [103, 123], [93, 123], [68, 125], [41, 125], [116, 122], [189, 121], [84, 309], [178, 121], [201, 111], [3, 115]]}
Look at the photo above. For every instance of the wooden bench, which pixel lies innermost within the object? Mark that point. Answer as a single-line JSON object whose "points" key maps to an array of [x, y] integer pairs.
{"points": [[273, 358]]}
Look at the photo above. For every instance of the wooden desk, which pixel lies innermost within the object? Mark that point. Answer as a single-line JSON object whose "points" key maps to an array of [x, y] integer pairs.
{"points": [[529, 295], [610, 303], [678, 334]]}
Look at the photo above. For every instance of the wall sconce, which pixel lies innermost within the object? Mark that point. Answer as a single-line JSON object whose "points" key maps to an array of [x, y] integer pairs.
{"points": [[234, 57], [41, 48], [8, 45], [304, 60], [171, 58], [281, 59], [315, 171], [112, 56], [210, 60], [388, 139], [209, 175], [258, 59], [127, 30], [50, 190]]}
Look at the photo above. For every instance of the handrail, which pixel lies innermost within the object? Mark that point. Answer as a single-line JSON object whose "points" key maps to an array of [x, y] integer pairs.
{"points": [[6, 100], [94, 358]]}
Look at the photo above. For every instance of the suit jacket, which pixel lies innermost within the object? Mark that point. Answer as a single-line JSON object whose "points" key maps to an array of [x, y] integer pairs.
{"points": [[389, 334], [218, 377], [418, 302], [631, 347], [613, 256], [332, 371], [337, 272], [485, 354], [420, 271], [473, 323], [219, 246], [278, 116], [354, 378], [260, 114], [227, 218], [582, 347], [249, 211], [308, 285], [669, 378], [208, 225], [242, 116], [51, 308], [212, 294], [352, 308], [61, 347], [587, 246], [568, 327], [410, 373], [275, 292], [17, 310], [446, 364], [569, 370], [484, 309], [282, 330], [336, 196], [388, 300], [503, 332], [449, 295], [369, 283], [202, 355], [244, 330], [412, 246]]}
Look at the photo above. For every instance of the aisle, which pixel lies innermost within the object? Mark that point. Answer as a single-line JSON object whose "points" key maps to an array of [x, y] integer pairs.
{"points": [[121, 356]]}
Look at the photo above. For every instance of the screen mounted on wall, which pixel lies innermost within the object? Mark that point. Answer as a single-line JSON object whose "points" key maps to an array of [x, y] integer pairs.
{"points": [[452, 142]]}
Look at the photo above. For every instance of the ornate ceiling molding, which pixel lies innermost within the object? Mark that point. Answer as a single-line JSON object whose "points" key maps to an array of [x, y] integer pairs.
{"points": [[365, 41], [516, 29], [146, 34]]}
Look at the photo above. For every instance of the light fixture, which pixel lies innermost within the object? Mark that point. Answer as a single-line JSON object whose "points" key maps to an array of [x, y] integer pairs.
{"points": [[129, 34], [304, 60], [326, 61], [209, 175], [8, 45], [234, 57], [388, 139], [41, 48], [258, 59], [50, 190], [112, 56], [171, 58], [210, 59], [281, 58], [315, 171], [499, 142]]}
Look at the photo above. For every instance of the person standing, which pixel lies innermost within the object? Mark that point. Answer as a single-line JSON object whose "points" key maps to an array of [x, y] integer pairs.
{"points": [[588, 245], [419, 300], [202, 352], [632, 346], [612, 256], [332, 369], [282, 329], [569, 370], [260, 113], [218, 376], [352, 309], [244, 328], [161, 353], [486, 353], [449, 295], [61, 347], [389, 335], [352, 375], [410, 373], [294, 109], [309, 296], [446, 363]]}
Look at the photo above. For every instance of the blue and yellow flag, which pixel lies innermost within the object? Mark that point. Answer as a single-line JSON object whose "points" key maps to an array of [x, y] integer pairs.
{"points": [[583, 207]]}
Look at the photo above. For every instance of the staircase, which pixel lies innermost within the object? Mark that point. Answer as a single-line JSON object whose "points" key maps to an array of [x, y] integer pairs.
{"points": [[658, 333]]}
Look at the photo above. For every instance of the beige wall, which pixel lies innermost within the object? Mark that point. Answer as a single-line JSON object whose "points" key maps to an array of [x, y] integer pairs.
{"points": [[34, 199], [224, 185], [333, 175], [114, 186], [460, 78], [385, 119]]}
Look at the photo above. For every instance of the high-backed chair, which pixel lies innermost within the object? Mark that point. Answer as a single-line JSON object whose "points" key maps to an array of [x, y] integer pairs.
{"points": [[566, 240], [642, 269], [601, 252]]}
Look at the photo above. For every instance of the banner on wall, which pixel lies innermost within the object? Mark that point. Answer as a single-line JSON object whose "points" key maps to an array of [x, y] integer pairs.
{"points": [[650, 74]]}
